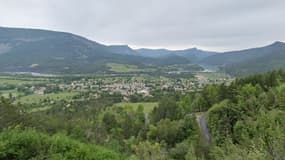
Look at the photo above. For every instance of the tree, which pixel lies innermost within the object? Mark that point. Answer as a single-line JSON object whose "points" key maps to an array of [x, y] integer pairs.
{"points": [[211, 95], [110, 121], [280, 96], [150, 151], [199, 103], [167, 108], [185, 103], [247, 91], [167, 131], [179, 151], [9, 114], [221, 119]]}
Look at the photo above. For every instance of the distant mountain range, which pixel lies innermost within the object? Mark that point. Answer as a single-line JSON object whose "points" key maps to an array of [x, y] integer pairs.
{"points": [[50, 51], [192, 54]]}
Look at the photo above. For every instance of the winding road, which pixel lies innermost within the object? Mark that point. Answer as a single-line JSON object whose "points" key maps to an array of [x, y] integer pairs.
{"points": [[202, 122]]}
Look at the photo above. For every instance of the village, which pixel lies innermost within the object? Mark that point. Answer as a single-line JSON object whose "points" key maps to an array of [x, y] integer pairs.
{"points": [[128, 86], [46, 90]]}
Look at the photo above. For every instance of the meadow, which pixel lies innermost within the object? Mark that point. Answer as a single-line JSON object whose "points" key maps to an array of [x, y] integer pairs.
{"points": [[37, 98], [148, 106]]}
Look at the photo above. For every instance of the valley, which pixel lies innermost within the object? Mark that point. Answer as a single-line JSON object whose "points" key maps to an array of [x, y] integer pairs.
{"points": [[43, 91], [67, 97], [142, 80], [129, 116]]}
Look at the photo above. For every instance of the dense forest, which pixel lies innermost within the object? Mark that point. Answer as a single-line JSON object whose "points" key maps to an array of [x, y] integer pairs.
{"points": [[245, 121]]}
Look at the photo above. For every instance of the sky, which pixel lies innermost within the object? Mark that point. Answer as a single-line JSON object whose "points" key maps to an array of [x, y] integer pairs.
{"points": [[218, 25]]}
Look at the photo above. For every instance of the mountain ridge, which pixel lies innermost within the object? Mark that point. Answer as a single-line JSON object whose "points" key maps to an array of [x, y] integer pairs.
{"points": [[51, 51], [55, 51], [249, 61]]}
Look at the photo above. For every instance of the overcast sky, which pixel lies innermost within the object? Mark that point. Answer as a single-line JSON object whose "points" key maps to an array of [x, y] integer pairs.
{"points": [[208, 24]]}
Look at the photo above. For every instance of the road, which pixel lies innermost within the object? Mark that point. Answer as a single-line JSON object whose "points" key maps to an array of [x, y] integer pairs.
{"points": [[202, 122]]}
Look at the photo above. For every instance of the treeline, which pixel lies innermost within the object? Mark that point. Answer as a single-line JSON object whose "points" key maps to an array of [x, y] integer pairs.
{"points": [[245, 119], [249, 123]]}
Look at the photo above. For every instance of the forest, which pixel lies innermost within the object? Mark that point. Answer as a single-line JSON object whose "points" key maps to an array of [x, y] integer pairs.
{"points": [[245, 120]]}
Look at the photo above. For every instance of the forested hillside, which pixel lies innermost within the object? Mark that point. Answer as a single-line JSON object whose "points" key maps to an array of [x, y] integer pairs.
{"points": [[250, 61], [34, 50], [245, 120]]}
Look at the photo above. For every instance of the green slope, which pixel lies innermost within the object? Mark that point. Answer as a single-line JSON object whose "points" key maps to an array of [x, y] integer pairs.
{"points": [[49, 51]]}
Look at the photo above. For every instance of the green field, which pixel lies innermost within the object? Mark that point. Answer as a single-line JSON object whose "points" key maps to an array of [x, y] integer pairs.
{"points": [[211, 75], [36, 98], [123, 67], [39, 109], [115, 67], [148, 106], [6, 80], [14, 92]]}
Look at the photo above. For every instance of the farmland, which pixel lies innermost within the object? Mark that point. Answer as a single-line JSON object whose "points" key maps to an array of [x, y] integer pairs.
{"points": [[44, 91]]}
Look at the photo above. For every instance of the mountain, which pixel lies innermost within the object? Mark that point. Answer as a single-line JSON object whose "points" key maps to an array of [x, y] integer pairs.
{"points": [[153, 52], [256, 60], [122, 49], [192, 54], [50, 51], [41, 50]]}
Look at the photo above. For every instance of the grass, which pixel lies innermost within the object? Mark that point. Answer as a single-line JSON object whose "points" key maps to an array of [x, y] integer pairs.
{"points": [[5, 93], [211, 75], [115, 67], [36, 98], [148, 106], [40, 109], [6, 80], [14, 92]]}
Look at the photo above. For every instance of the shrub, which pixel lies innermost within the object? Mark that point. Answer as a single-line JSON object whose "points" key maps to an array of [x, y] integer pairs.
{"points": [[30, 144]]}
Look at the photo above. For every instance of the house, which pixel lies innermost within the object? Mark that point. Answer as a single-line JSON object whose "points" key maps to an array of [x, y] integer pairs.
{"points": [[40, 90]]}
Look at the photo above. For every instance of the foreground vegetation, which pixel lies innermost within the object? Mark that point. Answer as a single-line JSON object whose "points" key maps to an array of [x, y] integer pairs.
{"points": [[30, 144], [245, 120]]}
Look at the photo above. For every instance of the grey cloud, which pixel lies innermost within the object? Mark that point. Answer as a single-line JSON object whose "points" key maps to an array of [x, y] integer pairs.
{"points": [[210, 24]]}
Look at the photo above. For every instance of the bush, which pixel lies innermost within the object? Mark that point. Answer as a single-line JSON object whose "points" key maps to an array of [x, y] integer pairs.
{"points": [[29, 144]]}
